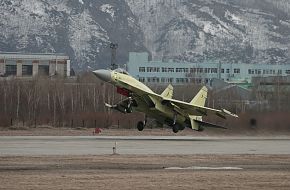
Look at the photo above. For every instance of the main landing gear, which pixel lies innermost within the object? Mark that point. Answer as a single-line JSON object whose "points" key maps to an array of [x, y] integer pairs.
{"points": [[141, 124], [175, 126]]}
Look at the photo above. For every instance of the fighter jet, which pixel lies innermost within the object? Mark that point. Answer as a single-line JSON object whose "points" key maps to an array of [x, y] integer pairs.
{"points": [[161, 107]]}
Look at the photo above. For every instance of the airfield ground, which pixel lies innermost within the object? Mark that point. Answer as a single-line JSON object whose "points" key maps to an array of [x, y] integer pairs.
{"points": [[145, 172], [62, 131], [84, 161]]}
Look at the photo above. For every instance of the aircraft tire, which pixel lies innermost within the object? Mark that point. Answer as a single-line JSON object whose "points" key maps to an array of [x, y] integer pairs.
{"points": [[200, 128], [181, 127], [175, 128], [140, 126]]}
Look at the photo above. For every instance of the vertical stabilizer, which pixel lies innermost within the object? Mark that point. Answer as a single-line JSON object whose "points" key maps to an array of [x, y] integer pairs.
{"points": [[200, 97], [168, 92]]}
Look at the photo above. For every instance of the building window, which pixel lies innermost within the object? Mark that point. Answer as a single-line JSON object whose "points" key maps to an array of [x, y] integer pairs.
{"points": [[198, 81], [141, 79], [237, 71], [153, 69], [251, 72], [11, 70], [181, 80], [279, 72], [171, 70], [222, 70], [200, 70], [228, 70], [214, 70], [258, 71], [141, 69], [152, 79], [192, 70], [287, 72], [26, 70], [43, 70], [164, 69]]}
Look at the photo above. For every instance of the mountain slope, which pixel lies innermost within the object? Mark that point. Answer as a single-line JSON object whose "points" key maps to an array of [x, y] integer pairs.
{"points": [[185, 30], [81, 29], [245, 31]]}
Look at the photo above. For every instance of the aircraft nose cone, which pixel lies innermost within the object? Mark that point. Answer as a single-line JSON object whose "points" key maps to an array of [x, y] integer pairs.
{"points": [[102, 74]]}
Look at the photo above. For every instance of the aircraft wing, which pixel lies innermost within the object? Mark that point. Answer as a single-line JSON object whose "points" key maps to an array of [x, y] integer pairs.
{"points": [[187, 108], [181, 107]]}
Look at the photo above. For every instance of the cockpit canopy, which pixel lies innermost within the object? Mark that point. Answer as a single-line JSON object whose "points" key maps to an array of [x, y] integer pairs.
{"points": [[119, 70]]}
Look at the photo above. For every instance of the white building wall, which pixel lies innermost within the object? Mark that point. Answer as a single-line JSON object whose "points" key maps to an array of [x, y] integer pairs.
{"points": [[35, 60], [2, 68], [68, 68], [151, 71], [35, 68]]}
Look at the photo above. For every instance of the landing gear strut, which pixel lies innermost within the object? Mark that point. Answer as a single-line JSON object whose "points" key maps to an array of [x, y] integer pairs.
{"points": [[128, 109], [175, 127]]}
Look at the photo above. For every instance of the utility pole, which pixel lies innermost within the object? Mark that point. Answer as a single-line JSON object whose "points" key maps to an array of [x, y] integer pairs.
{"points": [[113, 47]]}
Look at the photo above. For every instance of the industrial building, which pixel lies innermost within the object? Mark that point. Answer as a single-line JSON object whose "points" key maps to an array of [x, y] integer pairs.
{"points": [[30, 65], [147, 71]]}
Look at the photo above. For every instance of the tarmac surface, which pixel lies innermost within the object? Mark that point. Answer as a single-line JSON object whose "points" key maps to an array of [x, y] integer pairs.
{"points": [[144, 162], [141, 145]]}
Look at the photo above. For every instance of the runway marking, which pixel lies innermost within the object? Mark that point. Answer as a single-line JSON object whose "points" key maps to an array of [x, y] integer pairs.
{"points": [[203, 168]]}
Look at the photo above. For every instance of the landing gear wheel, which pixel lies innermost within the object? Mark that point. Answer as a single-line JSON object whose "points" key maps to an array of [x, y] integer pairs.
{"points": [[175, 128], [181, 127], [140, 126], [200, 128]]}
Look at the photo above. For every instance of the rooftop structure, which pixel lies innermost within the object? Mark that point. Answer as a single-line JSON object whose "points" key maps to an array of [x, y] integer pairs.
{"points": [[29, 65], [200, 73]]}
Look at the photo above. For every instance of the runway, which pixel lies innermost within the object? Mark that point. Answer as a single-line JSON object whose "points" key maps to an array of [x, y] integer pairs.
{"points": [[141, 145], [144, 162]]}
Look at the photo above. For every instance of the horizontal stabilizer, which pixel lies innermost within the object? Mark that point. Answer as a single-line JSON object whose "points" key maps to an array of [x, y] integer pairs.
{"points": [[224, 113], [211, 125], [198, 125], [229, 113]]}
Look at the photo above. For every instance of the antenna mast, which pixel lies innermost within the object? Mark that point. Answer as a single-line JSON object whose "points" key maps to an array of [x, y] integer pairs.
{"points": [[113, 47]]}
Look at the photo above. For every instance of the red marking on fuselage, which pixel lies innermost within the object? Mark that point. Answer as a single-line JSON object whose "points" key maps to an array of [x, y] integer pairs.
{"points": [[123, 91]]}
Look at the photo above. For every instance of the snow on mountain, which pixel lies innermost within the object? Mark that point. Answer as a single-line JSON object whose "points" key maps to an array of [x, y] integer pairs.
{"points": [[184, 30], [83, 29], [106, 8], [246, 31]]}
